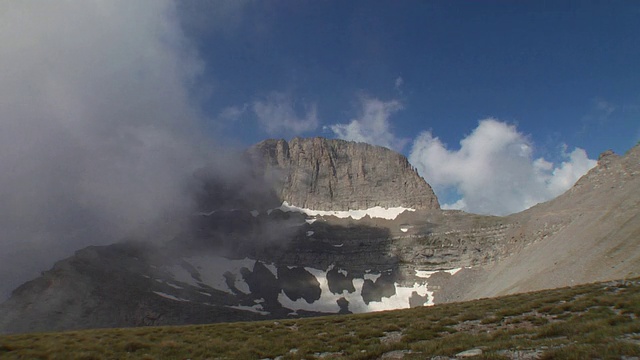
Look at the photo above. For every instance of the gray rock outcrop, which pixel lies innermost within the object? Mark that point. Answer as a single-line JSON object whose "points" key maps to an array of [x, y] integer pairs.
{"points": [[329, 174]]}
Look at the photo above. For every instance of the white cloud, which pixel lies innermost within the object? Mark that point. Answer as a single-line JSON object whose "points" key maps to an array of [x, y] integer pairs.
{"points": [[494, 170], [277, 114], [372, 125], [398, 83], [98, 133]]}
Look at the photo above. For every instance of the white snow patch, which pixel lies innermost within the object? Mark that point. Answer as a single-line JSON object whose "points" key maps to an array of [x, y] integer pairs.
{"points": [[401, 299], [211, 269], [430, 298], [398, 301], [257, 308], [206, 213], [309, 233], [343, 272], [311, 221], [204, 293], [424, 273], [338, 245], [272, 268], [374, 212], [326, 303], [328, 300], [453, 271], [255, 213], [372, 277], [427, 274], [174, 285], [241, 285], [169, 296]]}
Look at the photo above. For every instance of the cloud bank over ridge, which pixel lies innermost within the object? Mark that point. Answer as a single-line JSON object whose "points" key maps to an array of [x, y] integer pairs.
{"points": [[494, 170], [98, 133]]}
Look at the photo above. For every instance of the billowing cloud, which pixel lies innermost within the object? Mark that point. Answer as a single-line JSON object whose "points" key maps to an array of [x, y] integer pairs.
{"points": [[98, 133], [494, 170], [372, 125], [277, 115]]}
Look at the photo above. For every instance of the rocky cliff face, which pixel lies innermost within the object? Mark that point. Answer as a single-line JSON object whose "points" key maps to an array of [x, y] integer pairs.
{"points": [[324, 174]]}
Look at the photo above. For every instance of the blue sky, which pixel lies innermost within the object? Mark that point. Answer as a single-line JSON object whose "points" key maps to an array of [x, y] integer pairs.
{"points": [[561, 74]]}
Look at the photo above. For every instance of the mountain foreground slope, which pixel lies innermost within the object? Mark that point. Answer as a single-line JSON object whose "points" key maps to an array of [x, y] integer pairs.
{"points": [[242, 263], [594, 321]]}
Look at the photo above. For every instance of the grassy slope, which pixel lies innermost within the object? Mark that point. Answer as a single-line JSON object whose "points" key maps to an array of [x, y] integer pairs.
{"points": [[588, 321]]}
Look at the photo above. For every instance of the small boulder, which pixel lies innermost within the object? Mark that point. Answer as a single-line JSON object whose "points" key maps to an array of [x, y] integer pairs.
{"points": [[469, 353]]}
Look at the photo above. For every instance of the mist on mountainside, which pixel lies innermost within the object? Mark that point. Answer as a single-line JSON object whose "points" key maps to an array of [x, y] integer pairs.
{"points": [[99, 133]]}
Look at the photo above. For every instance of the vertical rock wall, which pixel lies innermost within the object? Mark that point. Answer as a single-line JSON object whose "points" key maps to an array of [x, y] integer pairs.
{"points": [[327, 174]]}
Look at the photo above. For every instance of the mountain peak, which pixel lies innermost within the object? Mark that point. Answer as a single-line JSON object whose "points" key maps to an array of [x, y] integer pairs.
{"points": [[330, 174]]}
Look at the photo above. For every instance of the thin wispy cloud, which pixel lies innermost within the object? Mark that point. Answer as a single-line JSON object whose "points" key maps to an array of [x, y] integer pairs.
{"points": [[233, 113], [398, 84], [373, 124], [600, 112], [277, 114], [494, 170]]}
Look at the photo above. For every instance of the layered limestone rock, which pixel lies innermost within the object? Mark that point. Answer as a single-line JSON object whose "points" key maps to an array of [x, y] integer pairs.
{"points": [[329, 174]]}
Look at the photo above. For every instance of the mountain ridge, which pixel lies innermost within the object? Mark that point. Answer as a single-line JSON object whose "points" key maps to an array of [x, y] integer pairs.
{"points": [[279, 264]]}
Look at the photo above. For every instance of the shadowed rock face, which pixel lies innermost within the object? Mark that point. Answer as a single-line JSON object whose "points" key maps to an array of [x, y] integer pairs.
{"points": [[136, 284], [318, 173], [298, 283]]}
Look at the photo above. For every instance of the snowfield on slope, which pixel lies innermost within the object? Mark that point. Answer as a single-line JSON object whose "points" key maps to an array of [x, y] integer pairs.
{"points": [[374, 212], [212, 269]]}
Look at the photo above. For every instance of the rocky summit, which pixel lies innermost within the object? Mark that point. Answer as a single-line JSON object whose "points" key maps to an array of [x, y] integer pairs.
{"points": [[324, 174], [249, 263]]}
